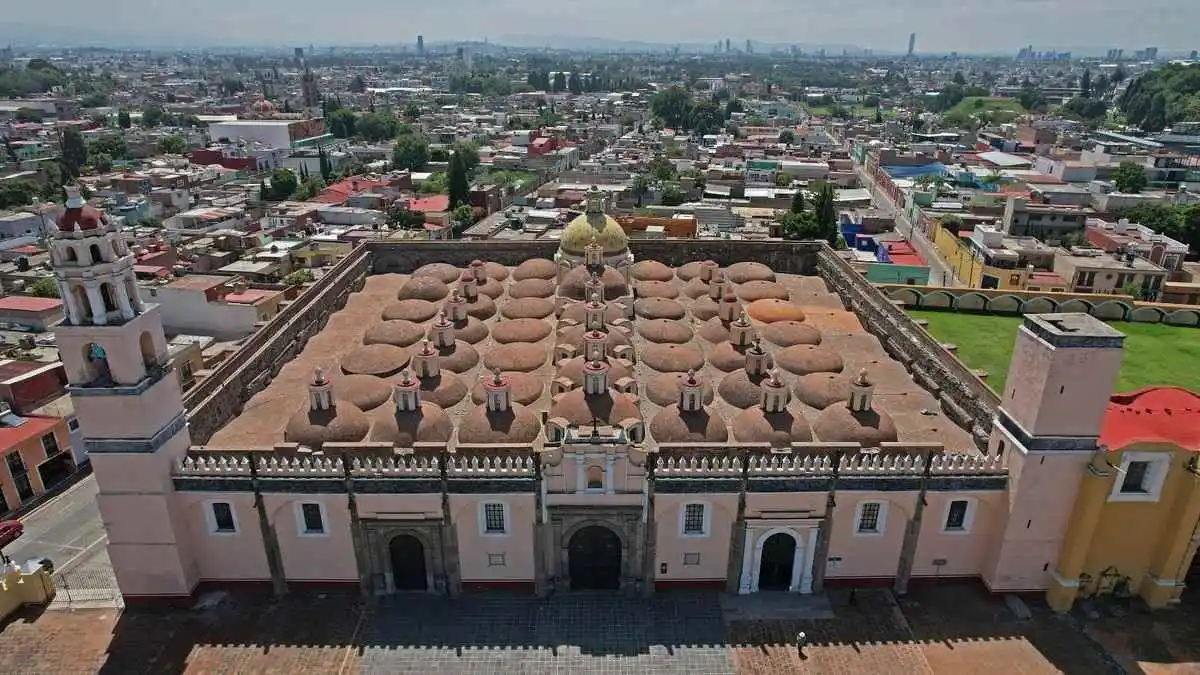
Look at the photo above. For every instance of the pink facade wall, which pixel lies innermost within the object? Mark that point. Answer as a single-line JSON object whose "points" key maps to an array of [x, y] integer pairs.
{"points": [[326, 557], [671, 544], [868, 556], [474, 546], [225, 557], [966, 552]]}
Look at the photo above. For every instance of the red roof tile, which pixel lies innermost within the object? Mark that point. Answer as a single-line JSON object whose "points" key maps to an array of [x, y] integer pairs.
{"points": [[1153, 415], [432, 204], [25, 303]]}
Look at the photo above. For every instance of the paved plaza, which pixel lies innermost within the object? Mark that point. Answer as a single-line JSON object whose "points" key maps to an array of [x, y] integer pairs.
{"points": [[947, 629]]}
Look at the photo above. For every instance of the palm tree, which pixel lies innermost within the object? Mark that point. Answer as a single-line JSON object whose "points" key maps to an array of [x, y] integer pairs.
{"points": [[640, 187]]}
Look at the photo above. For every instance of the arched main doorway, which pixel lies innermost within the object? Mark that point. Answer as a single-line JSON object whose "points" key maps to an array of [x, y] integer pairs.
{"points": [[778, 559], [594, 555], [408, 563]]}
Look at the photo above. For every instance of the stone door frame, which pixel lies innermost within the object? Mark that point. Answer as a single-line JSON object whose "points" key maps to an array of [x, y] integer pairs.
{"points": [[379, 534], [624, 521], [805, 535]]}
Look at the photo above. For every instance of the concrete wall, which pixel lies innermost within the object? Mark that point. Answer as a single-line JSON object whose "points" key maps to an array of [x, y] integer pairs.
{"points": [[188, 311]]}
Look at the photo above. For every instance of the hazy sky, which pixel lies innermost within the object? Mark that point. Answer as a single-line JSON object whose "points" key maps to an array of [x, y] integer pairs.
{"points": [[941, 25]]}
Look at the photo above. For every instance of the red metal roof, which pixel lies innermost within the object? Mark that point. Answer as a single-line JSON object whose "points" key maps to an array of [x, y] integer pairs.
{"points": [[1153, 415], [432, 204], [25, 303], [34, 427]]}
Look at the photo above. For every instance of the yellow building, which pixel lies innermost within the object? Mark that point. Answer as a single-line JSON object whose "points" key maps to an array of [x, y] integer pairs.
{"points": [[1133, 525], [988, 258]]}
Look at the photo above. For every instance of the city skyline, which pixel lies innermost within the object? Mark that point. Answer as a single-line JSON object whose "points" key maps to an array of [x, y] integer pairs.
{"points": [[1162, 23]]}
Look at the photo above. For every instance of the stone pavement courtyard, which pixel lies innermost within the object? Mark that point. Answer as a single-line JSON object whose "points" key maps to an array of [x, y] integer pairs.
{"points": [[950, 628]]}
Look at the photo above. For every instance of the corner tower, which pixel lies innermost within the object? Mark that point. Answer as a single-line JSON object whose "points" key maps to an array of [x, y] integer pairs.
{"points": [[128, 403], [1063, 370]]}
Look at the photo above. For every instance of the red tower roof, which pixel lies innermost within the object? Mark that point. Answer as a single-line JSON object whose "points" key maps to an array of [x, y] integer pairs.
{"points": [[1153, 415], [82, 218]]}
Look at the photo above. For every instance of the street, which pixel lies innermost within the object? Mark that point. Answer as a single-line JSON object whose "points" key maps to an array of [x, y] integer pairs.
{"points": [[67, 530]]}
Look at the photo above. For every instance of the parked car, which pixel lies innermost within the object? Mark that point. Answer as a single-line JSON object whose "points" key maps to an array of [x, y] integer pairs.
{"points": [[9, 531]]}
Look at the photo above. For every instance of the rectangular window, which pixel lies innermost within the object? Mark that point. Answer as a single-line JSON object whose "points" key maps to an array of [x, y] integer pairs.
{"points": [[73, 424], [956, 517], [693, 519], [312, 518], [50, 445], [493, 519], [868, 518], [16, 465], [1134, 481], [222, 518]]}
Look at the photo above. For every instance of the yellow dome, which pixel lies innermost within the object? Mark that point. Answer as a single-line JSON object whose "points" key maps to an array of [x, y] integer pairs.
{"points": [[604, 229]]}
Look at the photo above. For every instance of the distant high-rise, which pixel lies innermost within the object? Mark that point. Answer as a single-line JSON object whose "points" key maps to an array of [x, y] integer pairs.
{"points": [[299, 54], [728, 47], [420, 44], [1194, 54], [749, 47], [912, 43]]}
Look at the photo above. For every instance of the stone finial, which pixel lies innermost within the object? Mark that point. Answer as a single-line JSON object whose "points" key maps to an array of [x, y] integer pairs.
{"points": [[318, 375], [774, 393], [320, 391], [861, 389]]}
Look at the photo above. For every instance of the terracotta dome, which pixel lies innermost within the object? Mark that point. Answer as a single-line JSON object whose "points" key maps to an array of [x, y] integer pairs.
{"points": [[428, 424], [790, 333], [671, 425], [760, 290], [471, 331], [444, 390], [574, 284], [366, 392], [399, 333], [805, 359], [491, 289], [493, 270], [446, 272], [821, 390], [740, 390], [838, 424], [459, 358], [658, 308], [695, 288], [576, 311], [378, 359], [482, 307], [572, 369], [535, 268], [672, 358], [531, 288], [573, 335], [651, 270], [724, 356], [524, 388], [740, 273], [655, 289], [423, 288], [263, 107], [770, 311], [704, 308], [665, 330], [418, 311], [714, 330], [518, 424], [527, 308], [582, 409], [84, 217], [522, 330], [689, 271], [343, 423], [754, 425], [520, 356], [663, 389]]}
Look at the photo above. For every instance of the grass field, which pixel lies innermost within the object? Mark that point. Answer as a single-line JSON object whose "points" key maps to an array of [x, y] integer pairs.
{"points": [[977, 104], [1154, 353]]}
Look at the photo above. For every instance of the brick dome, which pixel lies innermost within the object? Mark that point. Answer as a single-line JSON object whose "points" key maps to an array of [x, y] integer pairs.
{"points": [[651, 270], [519, 356], [522, 330], [821, 390], [582, 409], [482, 307], [399, 333], [689, 271], [658, 308], [760, 290], [728, 358], [671, 425], [527, 308], [740, 273], [518, 424], [663, 389], [655, 289], [535, 268], [672, 358], [574, 284], [423, 288], [471, 331], [366, 392], [572, 369], [714, 330], [458, 358], [741, 390], [493, 270], [754, 425], [428, 424], [869, 428], [524, 388], [665, 330], [531, 288], [573, 335], [790, 333], [771, 310], [446, 272], [444, 390], [805, 359], [343, 423], [576, 311], [377, 359], [418, 311]]}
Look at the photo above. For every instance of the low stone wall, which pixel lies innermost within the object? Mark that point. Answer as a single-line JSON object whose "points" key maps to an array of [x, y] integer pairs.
{"points": [[221, 395], [993, 301], [963, 396]]}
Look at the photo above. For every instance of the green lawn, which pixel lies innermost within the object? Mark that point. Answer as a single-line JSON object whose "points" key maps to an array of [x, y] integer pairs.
{"points": [[1154, 353], [977, 104]]}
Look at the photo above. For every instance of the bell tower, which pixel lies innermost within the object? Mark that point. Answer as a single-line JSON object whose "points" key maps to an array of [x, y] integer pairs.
{"points": [[127, 400]]}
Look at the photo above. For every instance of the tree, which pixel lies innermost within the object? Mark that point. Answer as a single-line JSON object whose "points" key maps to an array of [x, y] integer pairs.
{"points": [[232, 85], [341, 122], [46, 287], [74, 151], [661, 169], [1133, 290], [310, 187], [410, 152], [672, 106], [1130, 177], [951, 223], [798, 203], [959, 79], [800, 226], [673, 196], [357, 85], [458, 186], [878, 116], [283, 184], [325, 164], [412, 111], [1086, 108], [300, 276], [101, 161], [733, 106], [560, 82], [1085, 84], [463, 213], [153, 115], [172, 145], [640, 187], [825, 212], [27, 115], [377, 126], [112, 145], [1031, 99], [469, 152], [17, 193], [574, 84], [787, 137], [123, 120], [1161, 97]]}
